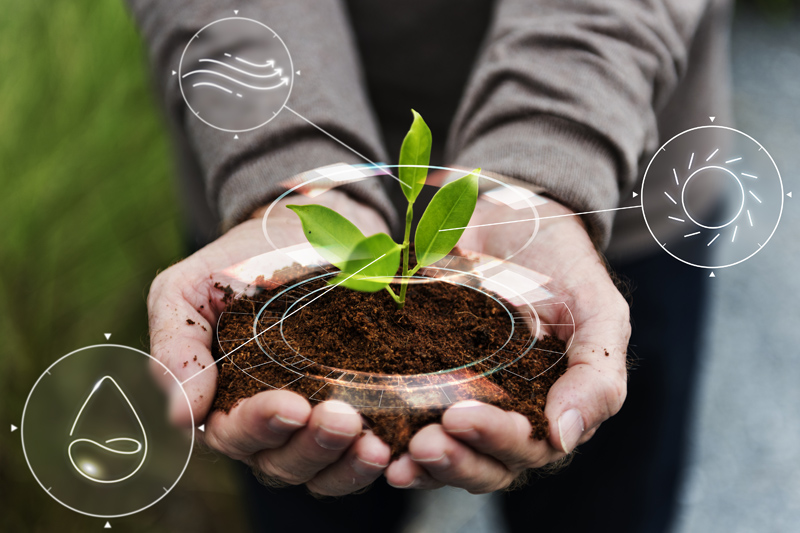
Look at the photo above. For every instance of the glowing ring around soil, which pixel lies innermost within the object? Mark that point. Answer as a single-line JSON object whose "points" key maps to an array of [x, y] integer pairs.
{"points": [[407, 389]]}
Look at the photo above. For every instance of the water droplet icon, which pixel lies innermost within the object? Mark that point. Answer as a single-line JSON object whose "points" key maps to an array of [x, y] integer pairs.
{"points": [[114, 459]]}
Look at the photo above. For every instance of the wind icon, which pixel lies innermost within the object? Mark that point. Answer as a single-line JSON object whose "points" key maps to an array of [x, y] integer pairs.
{"points": [[114, 459], [238, 72]]}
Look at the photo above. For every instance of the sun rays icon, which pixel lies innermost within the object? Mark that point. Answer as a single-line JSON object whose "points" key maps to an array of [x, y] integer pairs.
{"points": [[712, 194]]}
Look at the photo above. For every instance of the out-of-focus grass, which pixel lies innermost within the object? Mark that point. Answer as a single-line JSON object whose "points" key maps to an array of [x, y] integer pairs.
{"points": [[87, 217]]}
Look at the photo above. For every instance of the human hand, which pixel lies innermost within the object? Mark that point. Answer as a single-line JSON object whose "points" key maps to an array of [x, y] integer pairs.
{"points": [[276, 432], [482, 448]]}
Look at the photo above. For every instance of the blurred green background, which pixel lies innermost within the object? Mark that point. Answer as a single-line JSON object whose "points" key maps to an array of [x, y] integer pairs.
{"points": [[89, 215]]}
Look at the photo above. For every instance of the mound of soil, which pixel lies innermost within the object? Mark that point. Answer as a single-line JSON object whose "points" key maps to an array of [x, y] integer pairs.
{"points": [[443, 326]]}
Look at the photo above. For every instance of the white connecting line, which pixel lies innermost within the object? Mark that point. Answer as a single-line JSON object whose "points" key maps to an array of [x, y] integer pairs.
{"points": [[282, 319], [542, 218], [359, 154]]}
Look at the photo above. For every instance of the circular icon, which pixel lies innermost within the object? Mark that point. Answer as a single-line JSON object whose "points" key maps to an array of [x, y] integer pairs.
{"points": [[712, 189], [95, 432], [236, 74]]}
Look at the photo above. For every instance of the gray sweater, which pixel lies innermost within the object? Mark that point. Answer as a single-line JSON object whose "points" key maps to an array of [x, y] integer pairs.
{"points": [[572, 96]]}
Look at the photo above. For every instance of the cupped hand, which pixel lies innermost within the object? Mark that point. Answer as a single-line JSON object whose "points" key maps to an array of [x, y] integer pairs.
{"points": [[276, 432], [482, 448]]}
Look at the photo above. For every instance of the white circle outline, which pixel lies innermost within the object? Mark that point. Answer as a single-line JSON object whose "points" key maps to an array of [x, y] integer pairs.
{"points": [[47, 371], [663, 147], [683, 194], [274, 114], [527, 200]]}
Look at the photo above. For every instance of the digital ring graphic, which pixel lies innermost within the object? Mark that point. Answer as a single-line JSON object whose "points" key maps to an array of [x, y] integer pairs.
{"points": [[528, 305], [712, 197], [94, 434], [236, 74]]}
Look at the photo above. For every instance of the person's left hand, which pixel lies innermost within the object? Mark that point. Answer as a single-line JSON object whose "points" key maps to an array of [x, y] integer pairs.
{"points": [[482, 448]]}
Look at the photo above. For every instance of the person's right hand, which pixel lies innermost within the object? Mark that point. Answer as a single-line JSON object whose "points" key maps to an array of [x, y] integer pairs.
{"points": [[276, 432]]}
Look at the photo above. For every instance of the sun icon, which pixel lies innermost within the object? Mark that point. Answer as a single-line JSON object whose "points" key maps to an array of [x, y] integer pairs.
{"points": [[712, 189]]}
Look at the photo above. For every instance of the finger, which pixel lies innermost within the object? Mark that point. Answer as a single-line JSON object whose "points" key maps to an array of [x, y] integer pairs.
{"points": [[331, 429], [504, 435], [595, 384], [451, 462], [180, 338], [404, 473], [363, 463], [264, 421]]}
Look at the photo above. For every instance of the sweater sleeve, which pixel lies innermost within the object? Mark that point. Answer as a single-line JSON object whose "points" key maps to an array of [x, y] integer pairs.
{"points": [[241, 174], [565, 95]]}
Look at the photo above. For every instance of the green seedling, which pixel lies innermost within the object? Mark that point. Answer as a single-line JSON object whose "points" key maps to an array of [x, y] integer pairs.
{"points": [[369, 264]]}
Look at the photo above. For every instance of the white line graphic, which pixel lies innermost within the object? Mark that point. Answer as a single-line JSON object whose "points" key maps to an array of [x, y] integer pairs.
{"points": [[276, 72], [139, 446], [269, 63], [209, 84], [284, 80]]}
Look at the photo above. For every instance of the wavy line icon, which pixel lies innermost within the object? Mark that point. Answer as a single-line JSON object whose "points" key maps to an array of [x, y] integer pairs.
{"points": [[236, 71], [88, 469]]}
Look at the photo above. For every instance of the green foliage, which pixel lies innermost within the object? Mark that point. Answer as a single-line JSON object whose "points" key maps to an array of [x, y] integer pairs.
{"points": [[332, 236], [416, 151], [451, 207], [376, 257]]}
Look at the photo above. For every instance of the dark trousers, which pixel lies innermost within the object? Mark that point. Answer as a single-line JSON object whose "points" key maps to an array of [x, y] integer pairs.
{"points": [[624, 480]]}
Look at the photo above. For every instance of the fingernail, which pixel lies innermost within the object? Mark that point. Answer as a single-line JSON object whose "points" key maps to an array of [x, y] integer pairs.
{"points": [[438, 462], [280, 424], [467, 434], [331, 439], [570, 429], [414, 483], [466, 404], [366, 468]]}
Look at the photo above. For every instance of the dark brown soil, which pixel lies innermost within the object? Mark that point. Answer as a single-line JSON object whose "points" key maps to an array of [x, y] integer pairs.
{"points": [[443, 326]]}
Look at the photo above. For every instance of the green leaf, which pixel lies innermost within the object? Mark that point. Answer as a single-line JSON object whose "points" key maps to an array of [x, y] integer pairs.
{"points": [[377, 255], [331, 235], [451, 207], [416, 150]]}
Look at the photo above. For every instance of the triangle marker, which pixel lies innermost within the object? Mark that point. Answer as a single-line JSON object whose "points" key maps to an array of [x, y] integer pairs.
{"points": [[235, 136], [235, 11], [173, 72], [712, 118], [635, 194], [712, 275], [789, 194], [298, 72], [202, 427], [107, 335], [107, 526], [13, 428]]}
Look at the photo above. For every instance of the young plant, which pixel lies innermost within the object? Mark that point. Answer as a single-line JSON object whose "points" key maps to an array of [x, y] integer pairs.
{"points": [[369, 264]]}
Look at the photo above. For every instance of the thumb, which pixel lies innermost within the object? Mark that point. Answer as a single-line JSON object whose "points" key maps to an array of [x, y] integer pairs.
{"points": [[594, 386]]}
